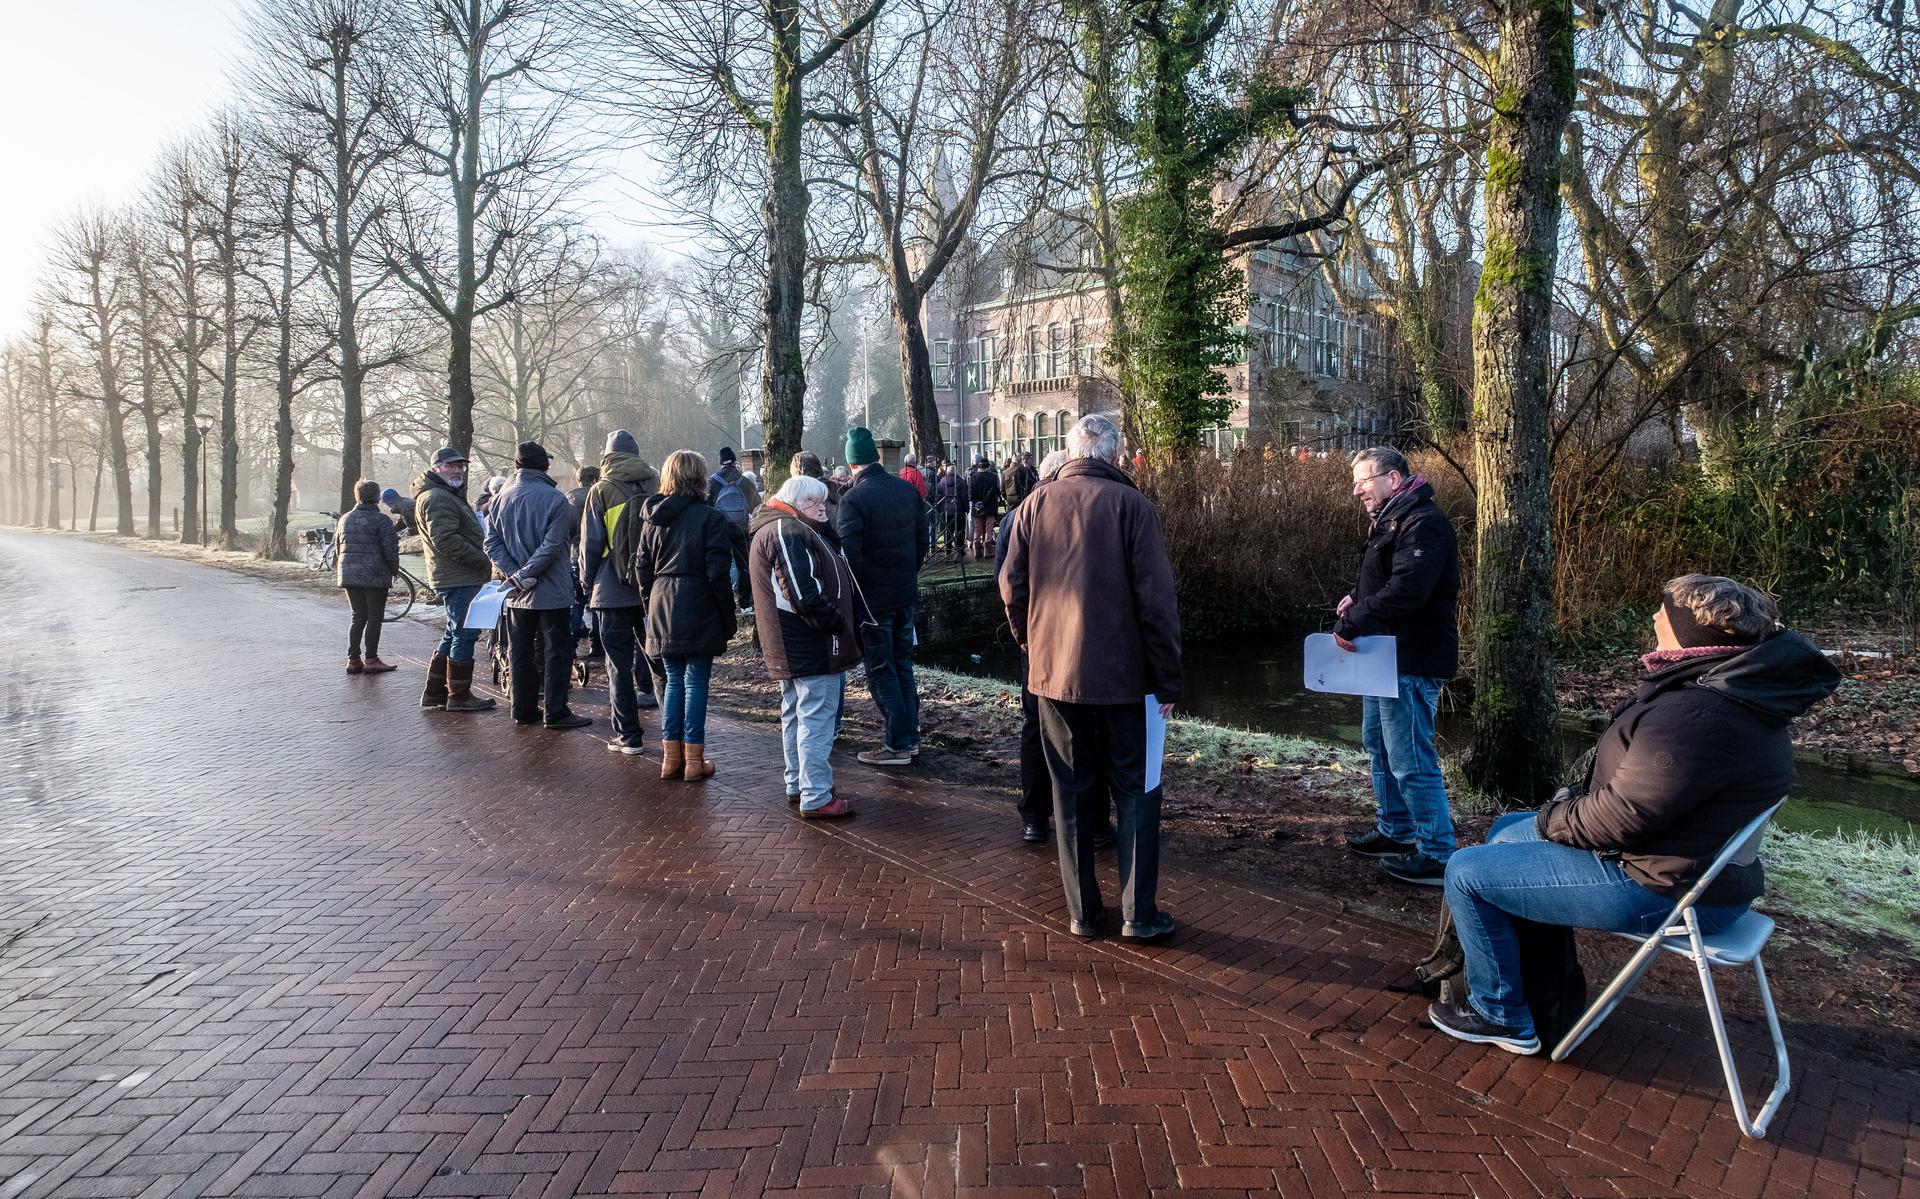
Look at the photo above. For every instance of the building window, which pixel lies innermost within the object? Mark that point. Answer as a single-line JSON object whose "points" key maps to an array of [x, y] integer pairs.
{"points": [[942, 364], [1056, 351], [1082, 348], [1019, 432], [990, 438], [1336, 346], [1062, 423], [987, 367], [1043, 435], [1030, 367]]}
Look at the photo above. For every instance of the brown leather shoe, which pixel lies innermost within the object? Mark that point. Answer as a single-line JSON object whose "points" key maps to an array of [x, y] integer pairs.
{"points": [[697, 767], [673, 759], [354, 666], [834, 808], [376, 666], [460, 696]]}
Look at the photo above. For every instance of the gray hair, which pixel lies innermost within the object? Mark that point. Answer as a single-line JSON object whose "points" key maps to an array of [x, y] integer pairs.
{"points": [[1386, 458], [800, 489], [1054, 460], [1724, 604], [1094, 437]]}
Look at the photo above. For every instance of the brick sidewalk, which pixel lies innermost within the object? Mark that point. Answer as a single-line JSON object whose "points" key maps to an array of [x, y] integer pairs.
{"points": [[269, 930]]}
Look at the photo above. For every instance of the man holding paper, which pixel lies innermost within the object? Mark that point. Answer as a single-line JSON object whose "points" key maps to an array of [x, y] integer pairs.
{"points": [[1409, 588], [1089, 595]]}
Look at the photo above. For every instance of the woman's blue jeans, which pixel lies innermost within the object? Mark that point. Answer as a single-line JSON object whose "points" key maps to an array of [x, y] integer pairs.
{"points": [[1517, 874], [683, 709]]}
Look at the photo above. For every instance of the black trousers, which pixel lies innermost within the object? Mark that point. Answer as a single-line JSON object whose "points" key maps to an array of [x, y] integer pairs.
{"points": [[630, 673], [539, 642], [369, 609], [1036, 785], [742, 585], [1091, 747]]}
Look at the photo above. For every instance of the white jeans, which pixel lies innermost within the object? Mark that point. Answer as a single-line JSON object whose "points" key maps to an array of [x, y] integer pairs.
{"points": [[809, 709]]}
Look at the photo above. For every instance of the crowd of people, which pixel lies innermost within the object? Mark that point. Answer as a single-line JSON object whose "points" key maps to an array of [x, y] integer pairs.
{"points": [[657, 568]]}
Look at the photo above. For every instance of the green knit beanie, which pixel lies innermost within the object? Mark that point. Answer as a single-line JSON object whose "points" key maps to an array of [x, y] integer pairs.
{"points": [[860, 451]]}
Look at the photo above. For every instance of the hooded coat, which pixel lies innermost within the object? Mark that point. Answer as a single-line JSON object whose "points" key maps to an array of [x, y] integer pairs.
{"points": [[624, 478], [803, 596], [451, 537], [1702, 748], [683, 571]]}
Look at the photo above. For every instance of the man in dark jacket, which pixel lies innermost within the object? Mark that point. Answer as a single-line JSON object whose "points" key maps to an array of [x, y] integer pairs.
{"points": [[733, 495], [615, 608], [983, 492], [1703, 748], [883, 532], [584, 478], [454, 546], [1089, 596], [1409, 586], [527, 541], [1021, 478]]}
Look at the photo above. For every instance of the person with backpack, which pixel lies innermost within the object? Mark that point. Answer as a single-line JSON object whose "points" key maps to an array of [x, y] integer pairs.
{"points": [[614, 605], [732, 494], [680, 569]]}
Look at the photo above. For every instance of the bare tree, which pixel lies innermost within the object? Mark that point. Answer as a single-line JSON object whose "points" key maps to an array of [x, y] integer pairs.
{"points": [[539, 353], [177, 201], [92, 296], [150, 334], [484, 161]]}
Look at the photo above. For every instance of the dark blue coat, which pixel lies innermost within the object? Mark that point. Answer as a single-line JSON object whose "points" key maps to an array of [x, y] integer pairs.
{"points": [[883, 532]]}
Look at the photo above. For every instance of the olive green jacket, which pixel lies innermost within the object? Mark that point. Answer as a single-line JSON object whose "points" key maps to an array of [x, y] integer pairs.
{"points": [[451, 537]]}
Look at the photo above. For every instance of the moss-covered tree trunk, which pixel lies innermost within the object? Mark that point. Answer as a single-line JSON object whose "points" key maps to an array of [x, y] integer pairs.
{"points": [[1514, 756]]}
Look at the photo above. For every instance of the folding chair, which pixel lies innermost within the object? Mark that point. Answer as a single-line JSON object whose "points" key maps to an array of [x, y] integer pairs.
{"points": [[1735, 945]]}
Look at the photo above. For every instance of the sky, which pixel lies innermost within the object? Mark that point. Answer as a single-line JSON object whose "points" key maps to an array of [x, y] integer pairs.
{"points": [[91, 90]]}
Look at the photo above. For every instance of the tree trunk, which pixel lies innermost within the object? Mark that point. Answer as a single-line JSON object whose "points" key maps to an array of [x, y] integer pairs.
{"points": [[190, 372], [916, 372], [99, 472], [783, 370], [1514, 757], [112, 407]]}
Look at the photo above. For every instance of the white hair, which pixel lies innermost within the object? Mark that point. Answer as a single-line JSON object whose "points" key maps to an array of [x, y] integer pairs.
{"points": [[1053, 462], [800, 489], [1094, 437]]}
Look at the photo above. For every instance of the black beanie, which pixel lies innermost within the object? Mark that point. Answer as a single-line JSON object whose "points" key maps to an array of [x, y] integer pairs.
{"points": [[531, 455], [726, 454], [1691, 634]]}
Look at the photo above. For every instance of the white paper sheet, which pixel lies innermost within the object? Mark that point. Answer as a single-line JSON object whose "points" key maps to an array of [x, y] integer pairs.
{"points": [[1371, 669], [1156, 741], [484, 612]]}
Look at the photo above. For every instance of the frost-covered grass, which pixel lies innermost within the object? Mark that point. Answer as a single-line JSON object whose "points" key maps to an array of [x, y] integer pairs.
{"points": [[1867, 882]]}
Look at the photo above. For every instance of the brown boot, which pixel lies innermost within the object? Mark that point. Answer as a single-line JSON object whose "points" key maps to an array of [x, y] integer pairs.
{"points": [[376, 666], [354, 666], [697, 765], [672, 759], [460, 696], [435, 696]]}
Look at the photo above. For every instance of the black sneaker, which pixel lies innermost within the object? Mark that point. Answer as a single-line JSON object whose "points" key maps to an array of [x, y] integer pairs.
{"points": [[1147, 930], [631, 746], [1034, 831], [1375, 844], [1461, 1022], [572, 720], [1416, 867], [647, 700]]}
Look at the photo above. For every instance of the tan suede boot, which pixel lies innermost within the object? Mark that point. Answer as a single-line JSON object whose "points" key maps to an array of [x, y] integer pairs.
{"points": [[672, 759], [697, 765]]}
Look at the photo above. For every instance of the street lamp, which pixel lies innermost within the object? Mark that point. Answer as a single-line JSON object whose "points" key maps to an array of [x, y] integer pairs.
{"points": [[203, 422]]}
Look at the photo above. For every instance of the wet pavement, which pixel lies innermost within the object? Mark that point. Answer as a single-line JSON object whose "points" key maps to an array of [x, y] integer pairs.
{"points": [[266, 929]]}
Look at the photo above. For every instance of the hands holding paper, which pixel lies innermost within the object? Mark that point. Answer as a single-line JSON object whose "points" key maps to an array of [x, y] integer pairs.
{"points": [[1346, 602], [1166, 710]]}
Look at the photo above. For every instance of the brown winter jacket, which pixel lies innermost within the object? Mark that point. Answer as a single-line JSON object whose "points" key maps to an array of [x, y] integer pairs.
{"points": [[1089, 590], [803, 596], [1701, 749]]}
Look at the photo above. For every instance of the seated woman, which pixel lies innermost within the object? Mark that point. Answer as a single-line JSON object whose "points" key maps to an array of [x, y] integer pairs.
{"points": [[1702, 748]]}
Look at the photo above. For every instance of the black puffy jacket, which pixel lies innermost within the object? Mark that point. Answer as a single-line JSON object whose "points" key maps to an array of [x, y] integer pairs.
{"points": [[681, 571], [882, 524], [1410, 585], [369, 548], [1702, 748]]}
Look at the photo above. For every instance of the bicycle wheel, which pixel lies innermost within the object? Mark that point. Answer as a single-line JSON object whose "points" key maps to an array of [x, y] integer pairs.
{"points": [[400, 596]]}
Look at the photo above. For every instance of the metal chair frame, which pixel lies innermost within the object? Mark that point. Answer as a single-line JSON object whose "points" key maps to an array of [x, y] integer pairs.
{"points": [[1680, 934]]}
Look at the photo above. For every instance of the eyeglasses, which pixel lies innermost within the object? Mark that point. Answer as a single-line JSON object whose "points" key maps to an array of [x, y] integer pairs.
{"points": [[1371, 478]]}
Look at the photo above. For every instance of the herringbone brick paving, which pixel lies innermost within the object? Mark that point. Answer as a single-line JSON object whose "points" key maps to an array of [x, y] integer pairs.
{"points": [[269, 930]]}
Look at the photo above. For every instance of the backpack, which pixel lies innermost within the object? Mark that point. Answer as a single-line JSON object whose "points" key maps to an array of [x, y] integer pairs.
{"points": [[731, 502], [623, 534], [1550, 974]]}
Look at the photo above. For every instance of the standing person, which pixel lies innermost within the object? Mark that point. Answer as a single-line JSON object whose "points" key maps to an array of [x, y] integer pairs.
{"points": [[983, 491], [369, 557], [1409, 586], [1089, 596], [584, 477], [951, 488], [804, 615], [732, 494], [527, 541], [615, 607], [807, 463], [682, 571], [883, 532], [910, 471], [454, 544], [1021, 478]]}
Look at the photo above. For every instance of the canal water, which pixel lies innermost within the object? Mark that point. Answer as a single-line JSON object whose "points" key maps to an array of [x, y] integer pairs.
{"points": [[1255, 684]]}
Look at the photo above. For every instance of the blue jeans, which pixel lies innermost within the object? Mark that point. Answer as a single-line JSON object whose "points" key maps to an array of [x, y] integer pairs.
{"points": [[1517, 874], [683, 709], [888, 644], [455, 642], [1398, 734], [809, 708]]}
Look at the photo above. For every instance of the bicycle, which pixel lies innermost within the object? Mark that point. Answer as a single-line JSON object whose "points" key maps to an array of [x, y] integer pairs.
{"points": [[402, 593], [318, 547]]}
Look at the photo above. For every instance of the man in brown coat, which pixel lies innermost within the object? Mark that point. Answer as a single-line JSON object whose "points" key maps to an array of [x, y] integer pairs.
{"points": [[1089, 595]]}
